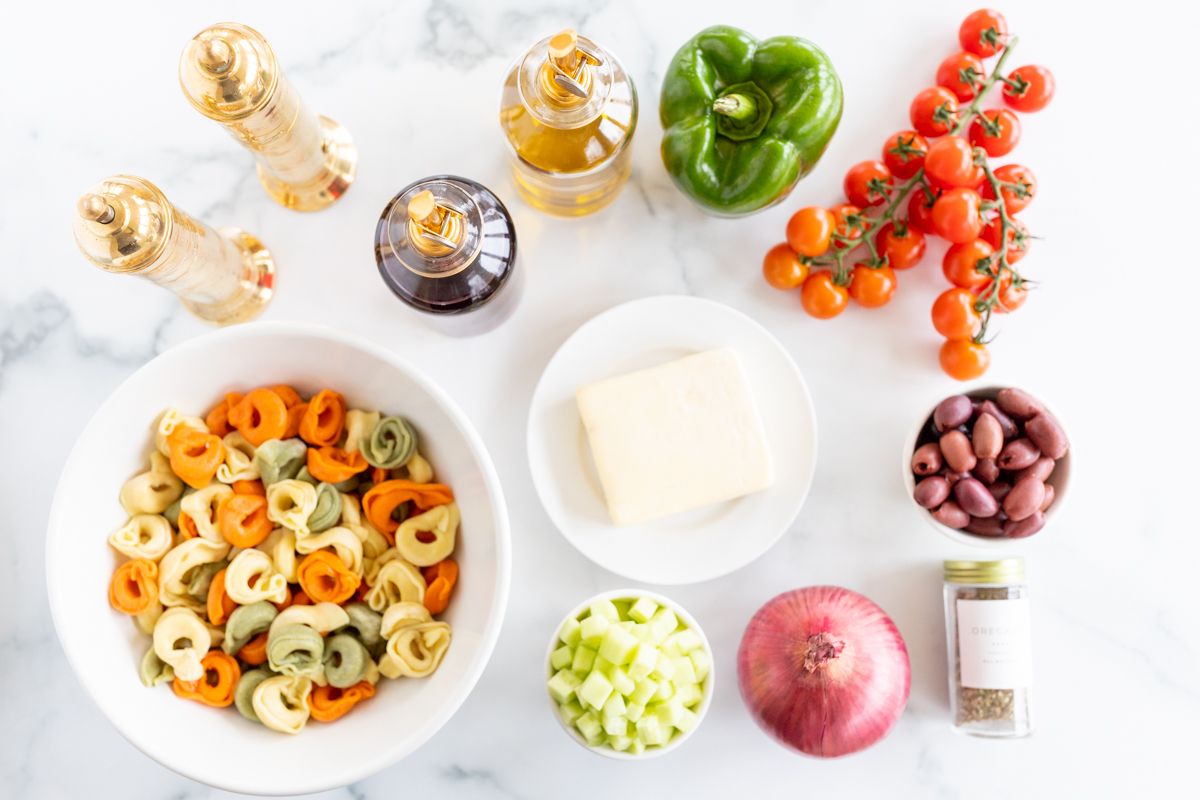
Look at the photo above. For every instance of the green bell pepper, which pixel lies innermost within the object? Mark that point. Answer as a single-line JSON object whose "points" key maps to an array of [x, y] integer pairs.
{"points": [[744, 120]]}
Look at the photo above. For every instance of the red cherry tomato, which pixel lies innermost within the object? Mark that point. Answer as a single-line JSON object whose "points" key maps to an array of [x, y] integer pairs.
{"points": [[821, 297], [872, 287], [809, 229], [843, 215], [1014, 199], [1002, 139], [904, 153], [1018, 238], [1030, 88], [951, 162], [961, 73], [961, 263], [867, 183], [933, 111], [983, 32], [1009, 297], [954, 315], [963, 359], [920, 210], [902, 246], [956, 215], [782, 268]]}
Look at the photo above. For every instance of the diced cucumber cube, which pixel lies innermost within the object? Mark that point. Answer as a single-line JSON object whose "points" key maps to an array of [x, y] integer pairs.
{"points": [[689, 694], [687, 720], [561, 657], [626, 625], [650, 731], [664, 667], [615, 726], [618, 645], [644, 633], [621, 681], [595, 690], [634, 711], [602, 664], [589, 725], [666, 690], [644, 691], [636, 747], [701, 662], [642, 609], [682, 642], [568, 634], [563, 685], [668, 713], [619, 743], [614, 706], [570, 711], [663, 623], [584, 660], [644, 661], [592, 630], [604, 608], [622, 607], [685, 671]]}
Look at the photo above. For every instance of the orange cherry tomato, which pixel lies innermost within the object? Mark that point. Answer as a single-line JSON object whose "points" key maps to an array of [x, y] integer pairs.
{"points": [[867, 183], [954, 315], [1009, 297], [904, 153], [872, 286], [933, 111], [950, 162], [1029, 88], [963, 359], [902, 245], [952, 71], [809, 229], [782, 268], [956, 215], [999, 136], [920, 210], [844, 217], [983, 32], [961, 263], [822, 297], [1018, 238], [1022, 190]]}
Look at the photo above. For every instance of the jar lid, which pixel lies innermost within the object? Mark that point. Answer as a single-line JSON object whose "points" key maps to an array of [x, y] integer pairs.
{"points": [[228, 71], [122, 224], [1006, 570]]}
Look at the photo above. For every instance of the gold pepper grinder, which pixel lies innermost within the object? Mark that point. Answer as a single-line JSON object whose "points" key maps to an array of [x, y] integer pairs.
{"points": [[231, 75], [126, 225]]}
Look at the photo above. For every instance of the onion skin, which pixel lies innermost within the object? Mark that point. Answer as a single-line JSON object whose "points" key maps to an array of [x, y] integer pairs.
{"points": [[824, 670]]}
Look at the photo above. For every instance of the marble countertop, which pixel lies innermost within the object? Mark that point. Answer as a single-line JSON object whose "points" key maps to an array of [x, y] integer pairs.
{"points": [[1117, 644]]}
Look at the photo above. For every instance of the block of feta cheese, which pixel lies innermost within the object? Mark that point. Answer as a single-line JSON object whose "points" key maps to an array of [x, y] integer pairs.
{"points": [[675, 437]]}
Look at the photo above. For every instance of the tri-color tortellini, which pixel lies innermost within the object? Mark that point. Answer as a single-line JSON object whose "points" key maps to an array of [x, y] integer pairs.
{"points": [[284, 554]]}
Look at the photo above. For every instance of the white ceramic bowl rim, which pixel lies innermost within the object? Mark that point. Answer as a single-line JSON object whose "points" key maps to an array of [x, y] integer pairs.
{"points": [[337, 774]]}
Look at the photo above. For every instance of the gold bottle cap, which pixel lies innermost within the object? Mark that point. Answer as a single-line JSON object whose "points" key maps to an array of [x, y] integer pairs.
{"points": [[434, 228], [567, 77], [228, 71], [1006, 570], [122, 223]]}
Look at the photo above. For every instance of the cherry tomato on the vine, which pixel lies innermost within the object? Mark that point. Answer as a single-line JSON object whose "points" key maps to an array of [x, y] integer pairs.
{"points": [[1009, 297], [1014, 199], [843, 215], [867, 183], [961, 73], [903, 246], [920, 210], [956, 215], [782, 268], [1018, 238], [822, 297], [950, 162], [1029, 88], [809, 229], [904, 153], [963, 359], [1005, 133], [872, 287], [954, 315], [961, 263], [933, 111], [983, 32]]}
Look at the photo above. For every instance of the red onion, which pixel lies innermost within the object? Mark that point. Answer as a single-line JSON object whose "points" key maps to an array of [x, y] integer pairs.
{"points": [[824, 670]]}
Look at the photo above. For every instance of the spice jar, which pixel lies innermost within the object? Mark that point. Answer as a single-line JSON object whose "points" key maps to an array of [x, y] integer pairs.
{"points": [[989, 645]]}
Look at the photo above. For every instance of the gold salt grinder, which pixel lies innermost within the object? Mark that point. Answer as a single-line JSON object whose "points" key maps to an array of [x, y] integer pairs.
{"points": [[126, 225], [231, 75]]}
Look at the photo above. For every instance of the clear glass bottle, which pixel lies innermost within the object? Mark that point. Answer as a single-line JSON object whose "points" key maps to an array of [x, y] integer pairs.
{"points": [[568, 110], [989, 646], [447, 247]]}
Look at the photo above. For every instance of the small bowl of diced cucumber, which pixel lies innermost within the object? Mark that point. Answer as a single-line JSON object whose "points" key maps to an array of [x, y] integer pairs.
{"points": [[630, 674]]}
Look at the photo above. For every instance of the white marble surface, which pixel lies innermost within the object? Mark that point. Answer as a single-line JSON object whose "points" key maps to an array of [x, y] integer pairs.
{"points": [[91, 90]]}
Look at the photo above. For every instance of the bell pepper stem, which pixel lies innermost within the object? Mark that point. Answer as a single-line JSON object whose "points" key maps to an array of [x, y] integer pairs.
{"points": [[736, 106]]}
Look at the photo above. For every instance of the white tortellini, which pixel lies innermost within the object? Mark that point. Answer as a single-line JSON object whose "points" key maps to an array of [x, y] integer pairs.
{"points": [[359, 425], [181, 639], [397, 581], [280, 545], [428, 538], [239, 459], [152, 491], [400, 615], [174, 569], [415, 650], [201, 505], [146, 620], [419, 470], [251, 576], [321, 617], [290, 503], [372, 565], [168, 422], [343, 541], [281, 702], [147, 536]]}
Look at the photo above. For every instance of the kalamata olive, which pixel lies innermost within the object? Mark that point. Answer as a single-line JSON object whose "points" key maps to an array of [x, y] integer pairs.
{"points": [[1040, 469], [987, 437], [950, 515], [956, 449], [952, 412], [1019, 528], [953, 477], [1045, 432], [985, 526], [986, 470], [1018, 403], [1025, 498], [1000, 490], [1017, 454], [1048, 499], [931, 492], [974, 498], [927, 459], [1006, 422]]}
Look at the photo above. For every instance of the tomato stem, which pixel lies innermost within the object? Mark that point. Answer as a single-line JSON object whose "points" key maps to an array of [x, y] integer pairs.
{"points": [[964, 118]]}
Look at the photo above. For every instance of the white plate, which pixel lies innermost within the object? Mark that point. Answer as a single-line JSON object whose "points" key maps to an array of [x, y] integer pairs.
{"points": [[696, 545]]}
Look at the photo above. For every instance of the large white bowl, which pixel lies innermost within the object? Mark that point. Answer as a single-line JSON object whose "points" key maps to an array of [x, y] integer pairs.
{"points": [[219, 747]]}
